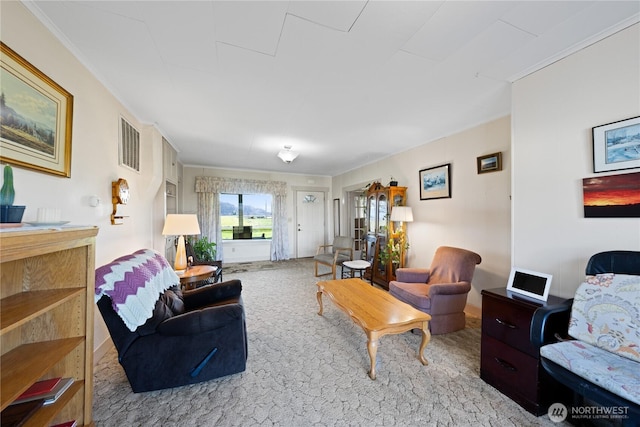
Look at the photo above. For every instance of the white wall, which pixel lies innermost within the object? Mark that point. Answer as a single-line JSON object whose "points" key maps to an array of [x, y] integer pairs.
{"points": [[553, 113], [476, 217], [94, 161], [256, 250]]}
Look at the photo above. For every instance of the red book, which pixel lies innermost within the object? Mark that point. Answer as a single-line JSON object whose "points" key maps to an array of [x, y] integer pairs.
{"points": [[41, 387], [67, 424], [48, 396]]}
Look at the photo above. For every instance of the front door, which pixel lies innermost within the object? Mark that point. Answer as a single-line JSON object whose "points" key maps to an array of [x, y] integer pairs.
{"points": [[310, 209]]}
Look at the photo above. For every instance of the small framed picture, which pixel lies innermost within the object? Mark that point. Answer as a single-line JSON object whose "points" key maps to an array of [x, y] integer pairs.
{"points": [[616, 145], [490, 163], [435, 182]]}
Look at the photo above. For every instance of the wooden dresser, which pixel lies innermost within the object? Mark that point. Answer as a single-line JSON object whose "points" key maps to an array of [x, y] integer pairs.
{"points": [[47, 291], [508, 360]]}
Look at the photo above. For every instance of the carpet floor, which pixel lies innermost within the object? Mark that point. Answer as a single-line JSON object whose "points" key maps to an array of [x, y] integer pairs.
{"points": [[308, 370]]}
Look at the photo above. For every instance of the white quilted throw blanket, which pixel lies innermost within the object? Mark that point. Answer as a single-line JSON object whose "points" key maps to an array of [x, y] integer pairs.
{"points": [[134, 283]]}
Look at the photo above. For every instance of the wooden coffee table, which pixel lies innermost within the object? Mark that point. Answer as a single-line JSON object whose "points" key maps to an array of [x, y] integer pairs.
{"points": [[376, 312]]}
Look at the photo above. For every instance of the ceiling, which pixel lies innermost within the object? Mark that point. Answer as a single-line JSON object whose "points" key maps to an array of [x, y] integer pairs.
{"points": [[345, 83]]}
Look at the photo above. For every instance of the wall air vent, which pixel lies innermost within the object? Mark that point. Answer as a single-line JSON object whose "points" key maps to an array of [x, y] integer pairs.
{"points": [[129, 146]]}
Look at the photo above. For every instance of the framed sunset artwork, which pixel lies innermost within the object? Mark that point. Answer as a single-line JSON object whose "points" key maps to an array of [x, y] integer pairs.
{"points": [[613, 196]]}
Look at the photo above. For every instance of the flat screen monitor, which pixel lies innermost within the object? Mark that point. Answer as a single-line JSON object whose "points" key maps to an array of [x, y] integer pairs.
{"points": [[244, 232], [529, 283]]}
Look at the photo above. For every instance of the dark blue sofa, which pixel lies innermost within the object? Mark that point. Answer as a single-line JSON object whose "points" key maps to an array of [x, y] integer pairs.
{"points": [[585, 391]]}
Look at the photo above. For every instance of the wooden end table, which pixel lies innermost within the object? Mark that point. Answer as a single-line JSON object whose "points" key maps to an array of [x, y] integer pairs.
{"points": [[195, 274], [376, 312]]}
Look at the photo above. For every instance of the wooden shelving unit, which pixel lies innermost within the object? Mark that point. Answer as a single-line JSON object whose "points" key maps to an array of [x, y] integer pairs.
{"points": [[46, 317]]}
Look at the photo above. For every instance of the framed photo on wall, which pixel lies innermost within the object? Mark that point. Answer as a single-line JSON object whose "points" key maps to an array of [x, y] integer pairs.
{"points": [[612, 196], [490, 163], [616, 145], [37, 117], [435, 182]]}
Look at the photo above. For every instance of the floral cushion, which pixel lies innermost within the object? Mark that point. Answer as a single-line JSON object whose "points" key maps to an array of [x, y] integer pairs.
{"points": [[606, 314], [609, 371]]}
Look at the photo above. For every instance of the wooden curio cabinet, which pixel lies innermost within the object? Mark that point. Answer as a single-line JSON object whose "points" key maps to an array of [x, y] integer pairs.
{"points": [[380, 201]]}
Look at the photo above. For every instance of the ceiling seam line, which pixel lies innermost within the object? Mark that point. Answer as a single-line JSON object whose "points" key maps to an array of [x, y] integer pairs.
{"points": [[245, 48], [423, 24], [518, 28], [358, 17], [317, 23]]}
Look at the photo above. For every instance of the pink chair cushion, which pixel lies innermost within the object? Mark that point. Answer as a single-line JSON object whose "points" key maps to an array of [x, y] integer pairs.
{"points": [[452, 265]]}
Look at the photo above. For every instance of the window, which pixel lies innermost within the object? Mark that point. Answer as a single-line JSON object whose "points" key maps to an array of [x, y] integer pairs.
{"points": [[129, 145], [246, 216]]}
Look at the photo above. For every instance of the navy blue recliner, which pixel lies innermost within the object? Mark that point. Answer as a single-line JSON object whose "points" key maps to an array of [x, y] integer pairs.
{"points": [[193, 336]]}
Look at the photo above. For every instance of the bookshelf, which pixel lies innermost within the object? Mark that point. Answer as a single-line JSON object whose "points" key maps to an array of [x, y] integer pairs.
{"points": [[46, 320]]}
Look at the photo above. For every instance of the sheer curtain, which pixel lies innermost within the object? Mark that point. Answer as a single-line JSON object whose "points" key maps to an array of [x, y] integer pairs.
{"points": [[208, 189]]}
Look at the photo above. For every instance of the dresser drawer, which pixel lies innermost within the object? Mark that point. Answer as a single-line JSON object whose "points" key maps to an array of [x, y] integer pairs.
{"points": [[511, 371], [509, 323]]}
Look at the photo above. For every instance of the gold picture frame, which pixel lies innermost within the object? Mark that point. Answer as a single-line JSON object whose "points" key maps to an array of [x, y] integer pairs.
{"points": [[490, 163], [36, 117]]}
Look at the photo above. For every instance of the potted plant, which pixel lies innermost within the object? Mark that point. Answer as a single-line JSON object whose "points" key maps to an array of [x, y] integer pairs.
{"points": [[393, 251], [9, 212], [204, 250]]}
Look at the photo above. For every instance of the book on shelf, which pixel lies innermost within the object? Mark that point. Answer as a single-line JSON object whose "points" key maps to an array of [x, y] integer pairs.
{"points": [[50, 396], [16, 415], [72, 423], [39, 388]]}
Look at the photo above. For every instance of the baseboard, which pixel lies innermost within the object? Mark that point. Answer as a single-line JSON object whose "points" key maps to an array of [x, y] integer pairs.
{"points": [[102, 349], [473, 311]]}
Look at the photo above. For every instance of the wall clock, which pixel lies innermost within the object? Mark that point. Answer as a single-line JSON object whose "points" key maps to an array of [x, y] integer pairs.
{"points": [[119, 196]]}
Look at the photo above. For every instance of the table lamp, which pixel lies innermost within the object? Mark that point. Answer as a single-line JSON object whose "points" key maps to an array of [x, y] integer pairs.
{"points": [[401, 214], [181, 225]]}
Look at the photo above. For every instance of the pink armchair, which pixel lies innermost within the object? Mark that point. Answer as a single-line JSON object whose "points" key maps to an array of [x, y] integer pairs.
{"points": [[440, 290]]}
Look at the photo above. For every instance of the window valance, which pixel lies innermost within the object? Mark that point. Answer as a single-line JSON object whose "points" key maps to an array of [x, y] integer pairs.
{"points": [[212, 184]]}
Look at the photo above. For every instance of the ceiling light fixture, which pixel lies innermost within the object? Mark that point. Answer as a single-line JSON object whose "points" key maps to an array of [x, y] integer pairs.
{"points": [[287, 155]]}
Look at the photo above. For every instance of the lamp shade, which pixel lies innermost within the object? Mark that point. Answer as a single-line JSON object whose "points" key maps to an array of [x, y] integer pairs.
{"points": [[181, 224], [401, 214]]}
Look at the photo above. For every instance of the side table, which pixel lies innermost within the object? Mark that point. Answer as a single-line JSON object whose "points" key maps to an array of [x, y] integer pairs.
{"points": [[508, 360], [355, 266], [194, 274]]}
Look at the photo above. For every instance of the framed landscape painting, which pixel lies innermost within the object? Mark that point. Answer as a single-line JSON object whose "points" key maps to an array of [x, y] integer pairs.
{"points": [[435, 182], [612, 196], [35, 117], [489, 163], [616, 145]]}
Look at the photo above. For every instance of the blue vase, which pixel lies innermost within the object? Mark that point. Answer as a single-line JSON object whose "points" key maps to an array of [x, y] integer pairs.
{"points": [[11, 213]]}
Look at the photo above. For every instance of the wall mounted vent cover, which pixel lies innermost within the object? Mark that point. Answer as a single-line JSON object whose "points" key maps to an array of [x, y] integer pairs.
{"points": [[129, 146]]}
